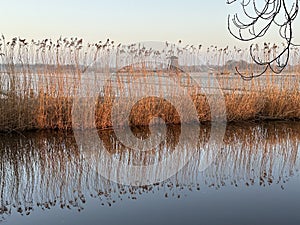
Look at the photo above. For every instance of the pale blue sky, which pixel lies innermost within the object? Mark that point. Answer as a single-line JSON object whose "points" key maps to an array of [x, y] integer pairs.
{"points": [[126, 21]]}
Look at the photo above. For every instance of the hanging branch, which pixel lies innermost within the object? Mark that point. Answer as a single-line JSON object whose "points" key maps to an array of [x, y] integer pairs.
{"points": [[253, 29]]}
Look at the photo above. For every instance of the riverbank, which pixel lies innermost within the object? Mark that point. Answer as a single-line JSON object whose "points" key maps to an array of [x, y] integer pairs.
{"points": [[46, 112]]}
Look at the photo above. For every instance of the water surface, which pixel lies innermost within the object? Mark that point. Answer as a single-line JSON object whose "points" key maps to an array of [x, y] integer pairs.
{"points": [[46, 178]]}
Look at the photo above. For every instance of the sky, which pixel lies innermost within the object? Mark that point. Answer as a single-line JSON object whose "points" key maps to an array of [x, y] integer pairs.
{"points": [[126, 21]]}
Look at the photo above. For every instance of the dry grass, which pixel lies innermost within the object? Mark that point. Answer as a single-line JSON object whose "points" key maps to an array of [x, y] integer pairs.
{"points": [[271, 105], [39, 82]]}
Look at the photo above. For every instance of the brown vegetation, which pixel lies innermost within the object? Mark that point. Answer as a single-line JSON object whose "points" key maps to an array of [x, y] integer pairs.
{"points": [[39, 83]]}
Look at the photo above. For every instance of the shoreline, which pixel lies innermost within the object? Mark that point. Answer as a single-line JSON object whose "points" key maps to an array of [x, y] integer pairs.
{"points": [[48, 113]]}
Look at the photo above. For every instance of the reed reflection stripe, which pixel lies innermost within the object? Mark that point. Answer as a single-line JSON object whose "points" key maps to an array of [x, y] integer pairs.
{"points": [[48, 169]]}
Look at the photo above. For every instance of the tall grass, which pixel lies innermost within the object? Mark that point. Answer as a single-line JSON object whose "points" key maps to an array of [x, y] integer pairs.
{"points": [[40, 81]]}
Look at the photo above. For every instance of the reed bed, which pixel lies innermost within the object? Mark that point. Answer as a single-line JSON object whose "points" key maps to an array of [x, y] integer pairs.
{"points": [[41, 81]]}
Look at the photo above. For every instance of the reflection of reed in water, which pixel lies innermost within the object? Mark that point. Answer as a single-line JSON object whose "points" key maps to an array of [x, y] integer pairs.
{"points": [[263, 154], [114, 146], [46, 170]]}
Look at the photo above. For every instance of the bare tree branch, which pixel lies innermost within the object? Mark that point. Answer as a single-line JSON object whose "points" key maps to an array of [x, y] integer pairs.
{"points": [[258, 24]]}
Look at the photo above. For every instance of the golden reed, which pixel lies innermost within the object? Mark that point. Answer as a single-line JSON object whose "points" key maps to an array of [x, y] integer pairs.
{"points": [[39, 81]]}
